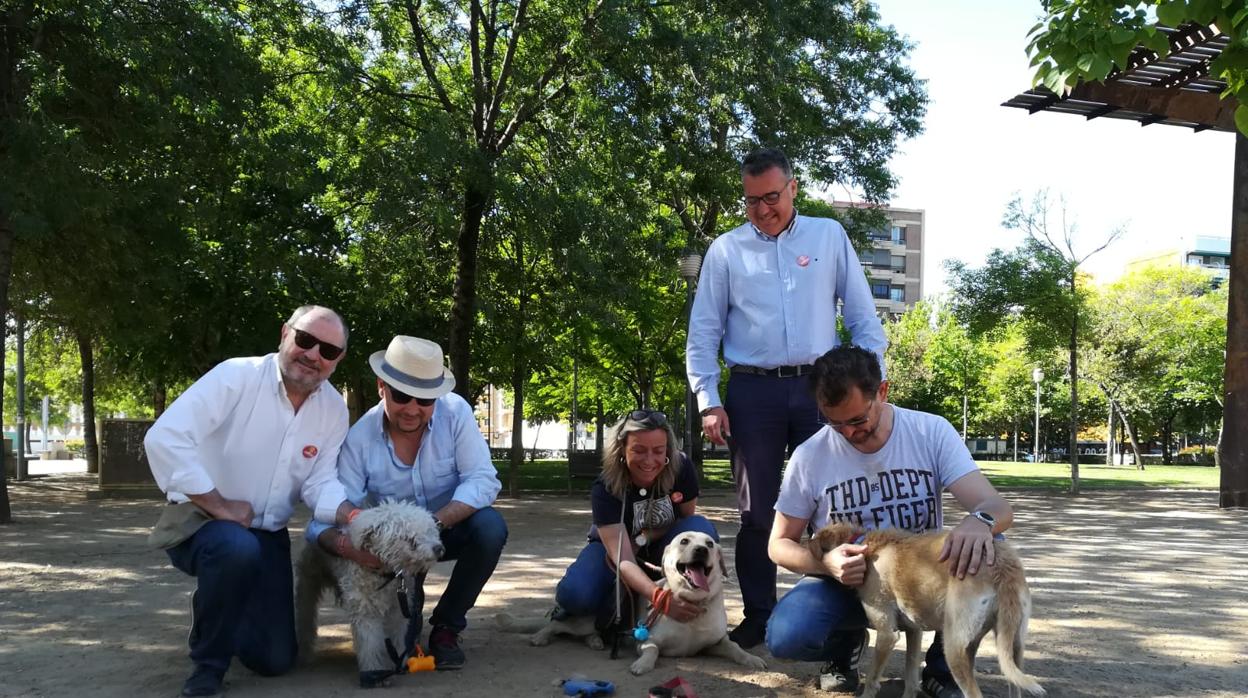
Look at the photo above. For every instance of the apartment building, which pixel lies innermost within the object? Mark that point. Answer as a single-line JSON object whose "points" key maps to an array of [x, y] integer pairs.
{"points": [[894, 260], [1207, 252]]}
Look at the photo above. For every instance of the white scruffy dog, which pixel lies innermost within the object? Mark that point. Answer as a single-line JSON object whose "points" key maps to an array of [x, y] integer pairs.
{"points": [[405, 537]]}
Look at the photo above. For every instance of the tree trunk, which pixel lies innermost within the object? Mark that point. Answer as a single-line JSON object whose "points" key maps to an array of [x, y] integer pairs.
{"points": [[519, 371], [1126, 424], [91, 446], [1015, 439], [1167, 441], [1074, 388], [1109, 436], [464, 303], [160, 398]]}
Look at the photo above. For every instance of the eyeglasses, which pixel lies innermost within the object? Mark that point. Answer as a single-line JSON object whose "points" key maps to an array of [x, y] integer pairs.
{"points": [[770, 198], [648, 417], [854, 423], [307, 340], [401, 398]]}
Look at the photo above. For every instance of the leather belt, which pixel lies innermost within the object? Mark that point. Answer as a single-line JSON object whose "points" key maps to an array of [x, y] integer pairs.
{"points": [[777, 372]]}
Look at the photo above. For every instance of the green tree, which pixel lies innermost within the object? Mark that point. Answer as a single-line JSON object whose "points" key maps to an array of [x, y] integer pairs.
{"points": [[957, 363], [1086, 40], [1008, 386], [1037, 282], [909, 374], [1160, 334]]}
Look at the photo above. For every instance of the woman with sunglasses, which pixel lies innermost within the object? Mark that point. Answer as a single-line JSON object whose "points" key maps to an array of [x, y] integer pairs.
{"points": [[646, 495]]}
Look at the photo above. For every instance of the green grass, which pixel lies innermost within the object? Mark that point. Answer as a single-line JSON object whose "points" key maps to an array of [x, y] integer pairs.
{"points": [[1057, 475], [551, 476]]}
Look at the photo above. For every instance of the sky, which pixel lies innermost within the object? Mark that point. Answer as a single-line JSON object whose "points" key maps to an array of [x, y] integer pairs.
{"points": [[1158, 183]]}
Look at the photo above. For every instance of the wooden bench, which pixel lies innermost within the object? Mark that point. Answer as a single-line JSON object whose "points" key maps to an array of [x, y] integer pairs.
{"points": [[586, 464]]}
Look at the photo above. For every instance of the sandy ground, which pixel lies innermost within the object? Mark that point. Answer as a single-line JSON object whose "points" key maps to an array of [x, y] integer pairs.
{"points": [[1136, 594]]}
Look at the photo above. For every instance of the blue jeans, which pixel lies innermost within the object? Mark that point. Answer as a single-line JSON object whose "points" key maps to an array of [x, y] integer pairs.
{"points": [[475, 544], [588, 586], [812, 622], [244, 597]]}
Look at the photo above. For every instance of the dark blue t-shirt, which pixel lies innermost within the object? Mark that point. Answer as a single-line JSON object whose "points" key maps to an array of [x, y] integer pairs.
{"points": [[652, 510]]}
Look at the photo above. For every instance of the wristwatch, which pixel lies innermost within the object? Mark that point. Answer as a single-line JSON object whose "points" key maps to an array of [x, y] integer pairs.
{"points": [[986, 518], [438, 523]]}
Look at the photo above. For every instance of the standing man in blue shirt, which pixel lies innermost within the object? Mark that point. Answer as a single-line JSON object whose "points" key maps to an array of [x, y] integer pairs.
{"points": [[421, 444], [769, 291]]}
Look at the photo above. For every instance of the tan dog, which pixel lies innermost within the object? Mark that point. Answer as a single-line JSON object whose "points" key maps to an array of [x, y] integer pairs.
{"points": [[693, 569], [907, 587]]}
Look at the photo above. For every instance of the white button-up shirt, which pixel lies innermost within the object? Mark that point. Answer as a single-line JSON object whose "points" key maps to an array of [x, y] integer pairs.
{"points": [[235, 430], [453, 462], [772, 301]]}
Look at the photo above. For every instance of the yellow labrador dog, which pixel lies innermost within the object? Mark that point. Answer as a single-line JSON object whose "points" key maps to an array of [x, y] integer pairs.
{"points": [[693, 569], [907, 587]]}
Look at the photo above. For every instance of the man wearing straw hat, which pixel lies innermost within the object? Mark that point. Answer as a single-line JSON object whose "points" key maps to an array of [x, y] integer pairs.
{"points": [[421, 444]]}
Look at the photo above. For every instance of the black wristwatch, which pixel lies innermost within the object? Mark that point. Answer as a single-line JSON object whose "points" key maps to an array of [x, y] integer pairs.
{"points": [[986, 518]]}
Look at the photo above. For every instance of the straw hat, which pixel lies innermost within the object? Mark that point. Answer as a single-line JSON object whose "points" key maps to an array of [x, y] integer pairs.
{"points": [[414, 366]]}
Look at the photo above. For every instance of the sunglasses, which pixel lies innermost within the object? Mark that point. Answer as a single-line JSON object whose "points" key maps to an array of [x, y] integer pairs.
{"points": [[648, 417], [306, 341], [401, 398]]}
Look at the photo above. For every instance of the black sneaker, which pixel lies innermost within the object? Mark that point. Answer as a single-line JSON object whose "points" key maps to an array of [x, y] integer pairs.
{"points": [[940, 686], [444, 646], [203, 682], [750, 633], [834, 679]]}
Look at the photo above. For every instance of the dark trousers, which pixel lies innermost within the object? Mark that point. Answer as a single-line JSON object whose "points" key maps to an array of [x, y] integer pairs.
{"points": [[769, 418], [244, 599], [475, 544]]}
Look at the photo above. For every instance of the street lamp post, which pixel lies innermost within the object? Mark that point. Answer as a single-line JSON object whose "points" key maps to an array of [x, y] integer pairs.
{"points": [[1037, 375], [690, 267]]}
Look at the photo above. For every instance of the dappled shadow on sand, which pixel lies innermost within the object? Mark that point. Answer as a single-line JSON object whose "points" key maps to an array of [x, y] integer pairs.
{"points": [[1136, 593]]}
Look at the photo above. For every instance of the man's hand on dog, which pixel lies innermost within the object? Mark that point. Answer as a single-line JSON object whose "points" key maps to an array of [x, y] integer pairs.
{"points": [[847, 563], [360, 557], [968, 545]]}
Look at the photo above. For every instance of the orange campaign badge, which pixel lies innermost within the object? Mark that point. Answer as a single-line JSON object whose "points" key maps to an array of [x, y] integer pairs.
{"points": [[309, 451]]}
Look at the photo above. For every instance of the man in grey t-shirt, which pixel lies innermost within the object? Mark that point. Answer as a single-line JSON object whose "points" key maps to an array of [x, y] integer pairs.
{"points": [[877, 466]]}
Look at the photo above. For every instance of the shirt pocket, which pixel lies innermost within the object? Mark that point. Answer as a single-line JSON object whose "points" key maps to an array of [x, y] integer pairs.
{"points": [[443, 471]]}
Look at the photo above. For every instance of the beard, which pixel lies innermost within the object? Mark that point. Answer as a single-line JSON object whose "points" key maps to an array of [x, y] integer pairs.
{"points": [[294, 375]]}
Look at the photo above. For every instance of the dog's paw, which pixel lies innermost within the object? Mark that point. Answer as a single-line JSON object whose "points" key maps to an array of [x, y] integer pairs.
{"points": [[640, 667], [594, 642], [540, 638], [753, 661], [375, 679]]}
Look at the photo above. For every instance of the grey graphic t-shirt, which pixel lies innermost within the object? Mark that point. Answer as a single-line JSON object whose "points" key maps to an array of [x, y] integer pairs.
{"points": [[899, 486]]}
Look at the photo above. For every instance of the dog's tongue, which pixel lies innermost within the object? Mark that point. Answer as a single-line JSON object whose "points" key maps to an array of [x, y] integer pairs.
{"points": [[696, 576]]}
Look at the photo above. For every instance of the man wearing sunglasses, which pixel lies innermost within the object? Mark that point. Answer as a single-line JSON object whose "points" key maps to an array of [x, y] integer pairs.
{"points": [[421, 444], [233, 454], [768, 292], [876, 466]]}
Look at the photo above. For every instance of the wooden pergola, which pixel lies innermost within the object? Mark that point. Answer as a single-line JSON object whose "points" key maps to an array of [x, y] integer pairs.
{"points": [[1178, 91]]}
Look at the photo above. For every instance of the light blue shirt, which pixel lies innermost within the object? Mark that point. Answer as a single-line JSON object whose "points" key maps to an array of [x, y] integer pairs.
{"points": [[772, 301], [453, 463]]}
